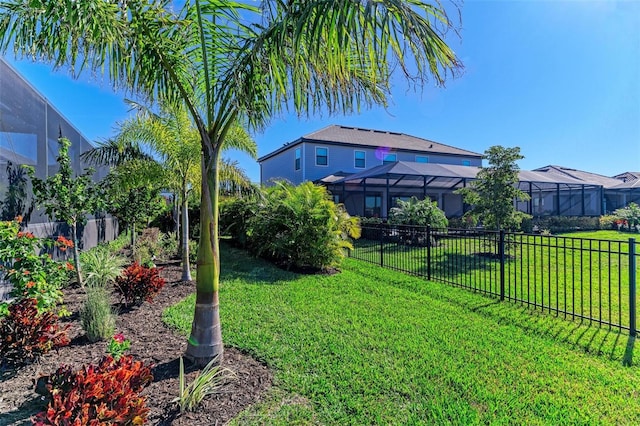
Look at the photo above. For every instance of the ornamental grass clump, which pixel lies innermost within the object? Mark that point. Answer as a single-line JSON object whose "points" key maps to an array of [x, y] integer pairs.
{"points": [[139, 283], [104, 394], [97, 317], [100, 267], [26, 334], [209, 381]]}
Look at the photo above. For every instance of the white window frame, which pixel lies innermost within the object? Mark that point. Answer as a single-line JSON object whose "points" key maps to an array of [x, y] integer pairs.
{"points": [[422, 156], [384, 158], [327, 156]]}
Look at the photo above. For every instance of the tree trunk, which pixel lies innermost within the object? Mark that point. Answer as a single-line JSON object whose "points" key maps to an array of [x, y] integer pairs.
{"points": [[205, 342], [76, 254], [186, 267]]}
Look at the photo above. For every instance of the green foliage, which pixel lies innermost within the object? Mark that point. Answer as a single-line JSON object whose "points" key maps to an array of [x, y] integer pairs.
{"points": [[15, 199], [418, 212], [31, 275], [139, 283], [97, 317], [631, 215], [118, 345], [492, 194], [193, 252], [148, 247], [235, 218], [107, 393], [207, 382], [293, 225], [101, 268], [25, 334]]}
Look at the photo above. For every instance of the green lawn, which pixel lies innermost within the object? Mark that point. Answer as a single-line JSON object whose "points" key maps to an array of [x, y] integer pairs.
{"points": [[373, 346], [589, 277]]}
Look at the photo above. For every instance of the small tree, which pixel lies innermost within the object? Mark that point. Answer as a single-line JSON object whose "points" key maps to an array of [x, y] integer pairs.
{"points": [[492, 194], [66, 198]]}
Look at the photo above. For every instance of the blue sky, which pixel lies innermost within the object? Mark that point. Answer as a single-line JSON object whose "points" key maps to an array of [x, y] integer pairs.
{"points": [[561, 80]]}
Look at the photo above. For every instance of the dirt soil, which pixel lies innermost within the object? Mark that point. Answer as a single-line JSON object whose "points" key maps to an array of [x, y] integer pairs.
{"points": [[152, 342]]}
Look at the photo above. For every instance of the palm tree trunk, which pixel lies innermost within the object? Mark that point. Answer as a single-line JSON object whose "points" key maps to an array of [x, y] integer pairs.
{"points": [[186, 267], [205, 342], [76, 254]]}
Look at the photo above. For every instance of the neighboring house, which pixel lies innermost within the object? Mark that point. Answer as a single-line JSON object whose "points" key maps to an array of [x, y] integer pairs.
{"points": [[369, 170], [29, 130], [341, 150]]}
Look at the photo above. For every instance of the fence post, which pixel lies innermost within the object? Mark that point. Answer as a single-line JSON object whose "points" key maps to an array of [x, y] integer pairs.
{"points": [[501, 254], [381, 244], [429, 252], [632, 286]]}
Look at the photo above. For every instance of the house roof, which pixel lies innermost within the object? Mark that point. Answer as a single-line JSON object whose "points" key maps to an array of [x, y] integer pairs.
{"points": [[628, 176], [355, 136], [581, 175], [409, 174]]}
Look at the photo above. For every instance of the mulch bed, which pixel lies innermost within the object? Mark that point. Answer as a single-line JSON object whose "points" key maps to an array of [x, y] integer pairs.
{"points": [[151, 341]]}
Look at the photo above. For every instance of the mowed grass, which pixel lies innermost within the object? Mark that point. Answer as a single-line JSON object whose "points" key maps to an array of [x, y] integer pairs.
{"points": [[576, 277], [374, 346]]}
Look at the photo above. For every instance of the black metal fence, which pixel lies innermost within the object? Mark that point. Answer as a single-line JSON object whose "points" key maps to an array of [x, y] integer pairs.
{"points": [[577, 278]]}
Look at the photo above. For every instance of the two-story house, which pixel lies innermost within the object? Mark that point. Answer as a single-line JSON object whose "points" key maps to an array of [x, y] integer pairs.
{"points": [[338, 151]]}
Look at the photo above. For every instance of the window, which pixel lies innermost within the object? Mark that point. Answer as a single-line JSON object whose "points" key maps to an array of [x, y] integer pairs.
{"points": [[422, 159], [298, 155], [389, 158], [335, 198], [359, 159], [372, 205], [466, 162], [322, 156]]}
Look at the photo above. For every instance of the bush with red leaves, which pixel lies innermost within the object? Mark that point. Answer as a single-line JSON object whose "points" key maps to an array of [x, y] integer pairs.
{"points": [[106, 394], [25, 334], [139, 283]]}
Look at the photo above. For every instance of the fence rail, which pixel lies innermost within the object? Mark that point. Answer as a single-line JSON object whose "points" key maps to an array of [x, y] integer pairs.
{"points": [[576, 278]]}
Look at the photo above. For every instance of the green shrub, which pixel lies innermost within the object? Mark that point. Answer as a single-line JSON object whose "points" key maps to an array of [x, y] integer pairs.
{"points": [[558, 224], [301, 226], [609, 221], [208, 382], [148, 247], [25, 263], [630, 216], [235, 218], [170, 245], [418, 212], [97, 318], [100, 267], [193, 252]]}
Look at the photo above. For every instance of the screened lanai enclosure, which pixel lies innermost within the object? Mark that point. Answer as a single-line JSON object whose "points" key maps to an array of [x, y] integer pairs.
{"points": [[373, 192], [29, 130]]}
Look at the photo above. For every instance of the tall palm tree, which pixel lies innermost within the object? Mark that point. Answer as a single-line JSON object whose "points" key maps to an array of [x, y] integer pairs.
{"points": [[231, 61]]}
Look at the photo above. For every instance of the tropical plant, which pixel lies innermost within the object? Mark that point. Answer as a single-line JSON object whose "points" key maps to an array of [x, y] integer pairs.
{"points": [[301, 226], [26, 334], [118, 345], [233, 62], [418, 212], [101, 268], [106, 393], [25, 263], [139, 283], [67, 198], [630, 214], [97, 317], [207, 382], [492, 194], [15, 199]]}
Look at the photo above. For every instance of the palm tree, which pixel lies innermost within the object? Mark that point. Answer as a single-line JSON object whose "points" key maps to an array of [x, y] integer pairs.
{"points": [[176, 143], [231, 62]]}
